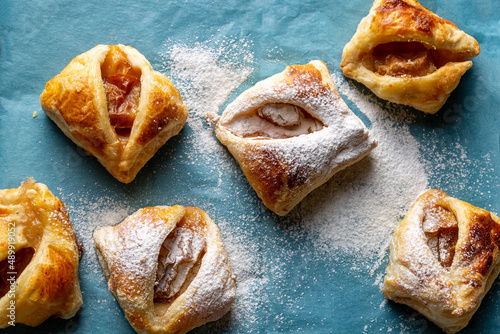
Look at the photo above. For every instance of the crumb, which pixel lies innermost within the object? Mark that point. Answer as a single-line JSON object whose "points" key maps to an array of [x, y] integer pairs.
{"points": [[35, 114]]}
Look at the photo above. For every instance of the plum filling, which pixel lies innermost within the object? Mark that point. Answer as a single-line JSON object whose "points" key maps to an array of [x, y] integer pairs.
{"points": [[409, 59], [276, 121], [122, 85], [441, 229], [11, 269], [178, 262]]}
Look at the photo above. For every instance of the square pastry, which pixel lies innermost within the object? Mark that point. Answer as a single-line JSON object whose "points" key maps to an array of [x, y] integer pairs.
{"points": [[39, 257], [291, 132], [445, 255], [110, 102], [407, 54], [167, 268]]}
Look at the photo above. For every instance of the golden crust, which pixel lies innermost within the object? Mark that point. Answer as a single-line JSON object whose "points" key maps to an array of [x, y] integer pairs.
{"points": [[129, 255], [48, 285], [76, 101], [445, 255], [406, 21], [283, 171]]}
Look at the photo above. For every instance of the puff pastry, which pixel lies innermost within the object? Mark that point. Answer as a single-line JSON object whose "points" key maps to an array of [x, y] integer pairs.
{"points": [[291, 132], [406, 54], [39, 255], [444, 258], [168, 268], [110, 102]]}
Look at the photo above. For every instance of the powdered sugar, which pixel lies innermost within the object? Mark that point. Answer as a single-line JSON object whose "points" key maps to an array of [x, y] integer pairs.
{"points": [[205, 77], [251, 274], [86, 215], [358, 209]]}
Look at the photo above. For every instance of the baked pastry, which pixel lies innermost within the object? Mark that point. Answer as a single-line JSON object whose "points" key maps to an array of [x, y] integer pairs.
{"points": [[39, 257], [444, 258], [406, 54], [291, 132], [168, 268], [110, 102]]}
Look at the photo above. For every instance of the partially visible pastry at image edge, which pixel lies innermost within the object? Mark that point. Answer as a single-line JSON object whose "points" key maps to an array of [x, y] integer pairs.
{"points": [[39, 256], [407, 54], [444, 257], [167, 268], [291, 132], [110, 102]]}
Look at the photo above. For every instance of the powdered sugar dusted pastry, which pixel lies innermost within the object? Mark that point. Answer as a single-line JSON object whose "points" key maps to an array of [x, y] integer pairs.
{"points": [[168, 268], [110, 102], [291, 132], [38, 257], [444, 258], [406, 54]]}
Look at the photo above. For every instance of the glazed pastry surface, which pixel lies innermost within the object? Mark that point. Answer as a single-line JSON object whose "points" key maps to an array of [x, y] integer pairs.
{"points": [[46, 256], [406, 54], [168, 268], [291, 132], [110, 102], [444, 258]]}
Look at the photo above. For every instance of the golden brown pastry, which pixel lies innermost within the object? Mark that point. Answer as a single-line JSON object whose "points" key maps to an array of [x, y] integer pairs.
{"points": [[444, 258], [39, 257], [406, 54], [110, 102], [168, 268], [291, 132]]}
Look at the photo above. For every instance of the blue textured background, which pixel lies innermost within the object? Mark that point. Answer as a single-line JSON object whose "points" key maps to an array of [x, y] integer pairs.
{"points": [[39, 38]]}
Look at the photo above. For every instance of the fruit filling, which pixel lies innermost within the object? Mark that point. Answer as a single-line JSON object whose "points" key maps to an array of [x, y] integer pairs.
{"points": [[122, 84], [441, 229], [275, 121], [11, 268], [178, 261], [413, 59]]}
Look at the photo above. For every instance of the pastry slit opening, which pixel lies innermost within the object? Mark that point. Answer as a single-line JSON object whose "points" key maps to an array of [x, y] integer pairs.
{"points": [[415, 59], [178, 263], [122, 85], [441, 230], [274, 121], [12, 267]]}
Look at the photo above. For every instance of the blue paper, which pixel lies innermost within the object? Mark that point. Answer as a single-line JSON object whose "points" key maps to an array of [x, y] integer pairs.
{"points": [[291, 285]]}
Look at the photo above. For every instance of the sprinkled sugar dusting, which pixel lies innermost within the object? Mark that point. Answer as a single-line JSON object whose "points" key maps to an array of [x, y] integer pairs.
{"points": [[358, 209], [205, 77], [87, 215]]}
